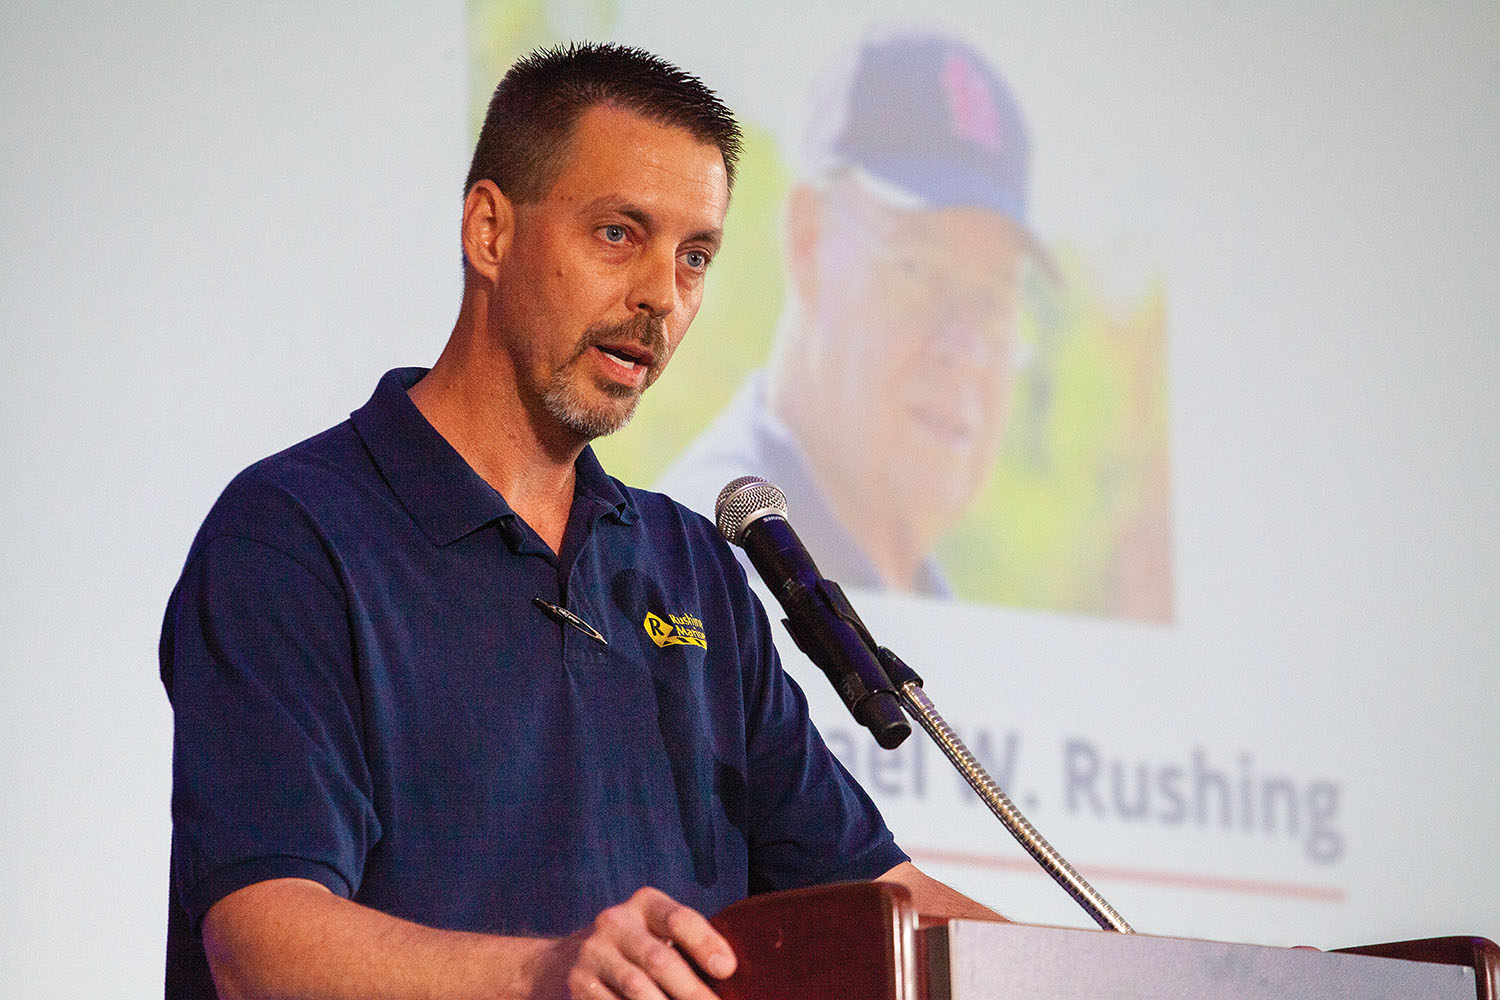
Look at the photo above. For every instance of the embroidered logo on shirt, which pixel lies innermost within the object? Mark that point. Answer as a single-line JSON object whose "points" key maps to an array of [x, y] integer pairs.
{"points": [[682, 630]]}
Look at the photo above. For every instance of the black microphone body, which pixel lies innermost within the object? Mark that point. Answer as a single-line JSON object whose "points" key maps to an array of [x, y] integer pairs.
{"points": [[824, 625]]}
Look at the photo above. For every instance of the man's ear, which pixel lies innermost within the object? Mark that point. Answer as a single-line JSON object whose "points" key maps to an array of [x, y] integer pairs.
{"points": [[489, 224], [804, 229]]}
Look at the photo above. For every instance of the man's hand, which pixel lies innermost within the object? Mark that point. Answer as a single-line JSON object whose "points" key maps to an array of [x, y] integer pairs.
{"points": [[294, 938], [934, 900], [639, 950]]}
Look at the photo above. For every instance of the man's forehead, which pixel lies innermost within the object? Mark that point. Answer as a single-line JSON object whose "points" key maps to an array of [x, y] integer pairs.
{"points": [[894, 221], [609, 141]]}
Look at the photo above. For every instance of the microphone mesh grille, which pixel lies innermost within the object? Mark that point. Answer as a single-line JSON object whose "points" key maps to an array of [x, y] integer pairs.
{"points": [[744, 501]]}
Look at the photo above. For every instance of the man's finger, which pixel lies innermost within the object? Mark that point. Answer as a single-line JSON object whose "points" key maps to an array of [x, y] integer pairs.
{"points": [[665, 966], [690, 931], [605, 972], [586, 985]]}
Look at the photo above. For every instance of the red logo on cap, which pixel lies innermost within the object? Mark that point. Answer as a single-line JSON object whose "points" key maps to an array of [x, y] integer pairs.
{"points": [[971, 105]]}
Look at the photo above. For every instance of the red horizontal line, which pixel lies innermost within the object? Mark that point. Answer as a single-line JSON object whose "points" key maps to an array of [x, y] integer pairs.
{"points": [[1180, 880]]}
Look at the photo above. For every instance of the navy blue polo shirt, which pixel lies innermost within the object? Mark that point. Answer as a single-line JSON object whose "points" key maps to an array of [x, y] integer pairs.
{"points": [[367, 695]]}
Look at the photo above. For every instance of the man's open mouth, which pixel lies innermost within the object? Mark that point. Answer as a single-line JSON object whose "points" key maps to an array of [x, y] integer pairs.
{"points": [[632, 361], [627, 355], [953, 428]]}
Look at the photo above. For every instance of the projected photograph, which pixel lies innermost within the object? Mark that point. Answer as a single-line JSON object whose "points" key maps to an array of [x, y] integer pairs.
{"points": [[958, 399]]}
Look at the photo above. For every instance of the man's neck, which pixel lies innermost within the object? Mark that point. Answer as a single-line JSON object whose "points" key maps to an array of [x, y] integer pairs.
{"points": [[483, 418]]}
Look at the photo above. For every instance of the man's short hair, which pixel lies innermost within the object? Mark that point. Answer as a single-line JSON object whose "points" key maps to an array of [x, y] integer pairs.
{"points": [[527, 135]]}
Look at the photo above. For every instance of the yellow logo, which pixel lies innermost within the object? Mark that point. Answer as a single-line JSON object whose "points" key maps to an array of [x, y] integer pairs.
{"points": [[682, 630]]}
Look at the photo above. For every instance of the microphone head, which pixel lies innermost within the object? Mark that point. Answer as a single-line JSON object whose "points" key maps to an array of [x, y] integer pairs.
{"points": [[744, 501]]}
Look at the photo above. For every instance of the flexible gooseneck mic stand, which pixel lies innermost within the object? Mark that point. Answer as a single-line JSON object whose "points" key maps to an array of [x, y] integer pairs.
{"points": [[908, 687], [751, 513]]}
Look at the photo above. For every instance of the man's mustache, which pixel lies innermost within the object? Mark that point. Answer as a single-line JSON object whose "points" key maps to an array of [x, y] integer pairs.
{"points": [[642, 330]]}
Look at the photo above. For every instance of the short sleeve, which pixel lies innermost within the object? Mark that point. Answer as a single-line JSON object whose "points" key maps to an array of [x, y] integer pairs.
{"points": [[811, 822], [269, 776]]}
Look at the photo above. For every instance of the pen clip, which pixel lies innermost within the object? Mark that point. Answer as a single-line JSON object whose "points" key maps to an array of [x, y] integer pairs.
{"points": [[563, 615]]}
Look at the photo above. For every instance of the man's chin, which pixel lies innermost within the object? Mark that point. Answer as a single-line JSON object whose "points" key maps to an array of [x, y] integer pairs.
{"points": [[938, 485], [590, 420]]}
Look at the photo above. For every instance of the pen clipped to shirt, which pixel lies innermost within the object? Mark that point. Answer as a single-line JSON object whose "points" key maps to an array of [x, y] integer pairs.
{"points": [[566, 617]]}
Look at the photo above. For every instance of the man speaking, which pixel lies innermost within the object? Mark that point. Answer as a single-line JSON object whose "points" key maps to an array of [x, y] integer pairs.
{"points": [[457, 714]]}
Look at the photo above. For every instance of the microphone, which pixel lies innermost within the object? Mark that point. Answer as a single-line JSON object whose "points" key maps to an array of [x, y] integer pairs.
{"points": [[751, 513]]}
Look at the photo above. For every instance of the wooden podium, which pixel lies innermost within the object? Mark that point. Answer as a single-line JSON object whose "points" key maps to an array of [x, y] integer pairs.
{"points": [[865, 941]]}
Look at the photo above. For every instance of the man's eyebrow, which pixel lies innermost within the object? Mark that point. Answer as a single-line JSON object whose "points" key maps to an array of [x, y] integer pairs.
{"points": [[709, 238], [712, 238]]}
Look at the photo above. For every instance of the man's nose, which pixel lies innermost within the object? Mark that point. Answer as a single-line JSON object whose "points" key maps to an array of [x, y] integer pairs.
{"points": [[964, 340], [654, 289]]}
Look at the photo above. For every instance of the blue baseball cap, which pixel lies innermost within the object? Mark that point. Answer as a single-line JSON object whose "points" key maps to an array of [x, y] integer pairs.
{"points": [[928, 116]]}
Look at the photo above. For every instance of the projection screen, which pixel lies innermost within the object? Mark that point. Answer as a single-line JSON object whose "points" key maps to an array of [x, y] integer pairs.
{"points": [[1201, 556]]}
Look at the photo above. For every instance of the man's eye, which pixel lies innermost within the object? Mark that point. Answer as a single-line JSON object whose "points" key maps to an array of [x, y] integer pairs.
{"points": [[615, 234], [696, 259]]}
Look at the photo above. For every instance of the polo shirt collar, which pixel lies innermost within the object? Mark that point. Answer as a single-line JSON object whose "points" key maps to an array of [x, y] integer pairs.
{"points": [[602, 489], [441, 491], [782, 458]]}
